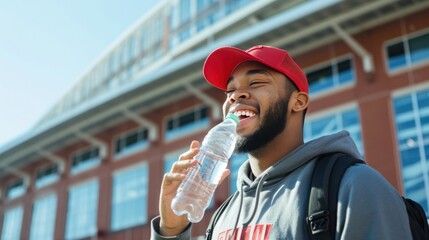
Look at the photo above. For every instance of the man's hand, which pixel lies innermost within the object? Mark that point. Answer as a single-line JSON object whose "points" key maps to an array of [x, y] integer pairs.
{"points": [[170, 223]]}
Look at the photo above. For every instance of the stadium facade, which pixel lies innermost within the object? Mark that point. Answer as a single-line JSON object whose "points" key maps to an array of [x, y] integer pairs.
{"points": [[92, 167]]}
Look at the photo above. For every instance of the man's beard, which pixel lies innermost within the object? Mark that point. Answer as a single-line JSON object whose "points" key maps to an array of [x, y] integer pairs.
{"points": [[273, 123]]}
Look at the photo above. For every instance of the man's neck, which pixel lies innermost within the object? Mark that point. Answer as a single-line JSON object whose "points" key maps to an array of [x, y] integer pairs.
{"points": [[263, 158]]}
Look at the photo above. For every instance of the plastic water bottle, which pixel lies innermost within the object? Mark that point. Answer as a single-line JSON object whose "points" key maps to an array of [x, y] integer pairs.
{"points": [[196, 190]]}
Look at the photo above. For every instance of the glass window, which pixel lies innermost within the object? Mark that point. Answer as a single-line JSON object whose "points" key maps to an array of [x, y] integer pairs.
{"points": [[144, 36], [346, 119], [173, 22], [47, 175], [82, 210], [85, 160], [327, 77], [132, 141], [235, 162], [158, 36], [320, 79], [232, 5], [187, 122], [113, 63], [12, 222], [419, 48], [412, 126], [408, 51], [129, 203], [184, 20], [15, 189], [207, 13], [125, 53], [185, 10], [132, 47], [43, 218], [345, 72], [151, 41], [204, 4], [396, 54], [184, 34]]}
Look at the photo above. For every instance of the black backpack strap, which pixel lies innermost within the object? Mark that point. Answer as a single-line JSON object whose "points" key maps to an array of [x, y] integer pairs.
{"points": [[417, 219], [323, 198], [216, 216]]}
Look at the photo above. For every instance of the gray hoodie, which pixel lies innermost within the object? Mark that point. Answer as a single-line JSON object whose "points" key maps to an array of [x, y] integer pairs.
{"points": [[274, 205]]}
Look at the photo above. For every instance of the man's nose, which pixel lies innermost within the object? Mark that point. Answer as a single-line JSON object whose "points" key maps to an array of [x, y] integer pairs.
{"points": [[238, 95]]}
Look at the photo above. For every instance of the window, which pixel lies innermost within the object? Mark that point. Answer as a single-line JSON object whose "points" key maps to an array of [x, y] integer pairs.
{"points": [[132, 141], [47, 175], [341, 119], [207, 13], [187, 122], [15, 189], [124, 54], [82, 210], [235, 162], [408, 51], [184, 19], [204, 4], [85, 160], [129, 203], [132, 47], [144, 38], [335, 74], [12, 222], [180, 21], [113, 63], [185, 10], [232, 5], [412, 126], [43, 218]]}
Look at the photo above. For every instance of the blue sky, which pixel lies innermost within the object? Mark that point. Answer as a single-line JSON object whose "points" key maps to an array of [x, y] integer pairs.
{"points": [[46, 45]]}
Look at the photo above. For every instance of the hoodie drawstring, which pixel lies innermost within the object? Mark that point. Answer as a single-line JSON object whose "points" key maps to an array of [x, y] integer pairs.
{"points": [[239, 211], [256, 202], [255, 205]]}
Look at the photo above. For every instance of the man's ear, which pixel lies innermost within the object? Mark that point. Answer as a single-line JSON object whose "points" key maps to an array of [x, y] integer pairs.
{"points": [[301, 100]]}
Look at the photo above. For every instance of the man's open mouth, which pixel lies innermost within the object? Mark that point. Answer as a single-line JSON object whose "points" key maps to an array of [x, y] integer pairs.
{"points": [[243, 114]]}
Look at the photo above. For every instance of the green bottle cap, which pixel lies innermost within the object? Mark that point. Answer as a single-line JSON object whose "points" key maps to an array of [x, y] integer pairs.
{"points": [[233, 117]]}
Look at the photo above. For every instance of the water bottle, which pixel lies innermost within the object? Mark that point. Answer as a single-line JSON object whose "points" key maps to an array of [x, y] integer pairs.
{"points": [[196, 190]]}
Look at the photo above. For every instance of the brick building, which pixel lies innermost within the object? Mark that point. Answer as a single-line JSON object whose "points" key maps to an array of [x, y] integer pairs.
{"points": [[93, 165]]}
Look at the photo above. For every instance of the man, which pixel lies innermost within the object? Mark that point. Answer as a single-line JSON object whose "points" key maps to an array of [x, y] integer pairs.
{"points": [[269, 92]]}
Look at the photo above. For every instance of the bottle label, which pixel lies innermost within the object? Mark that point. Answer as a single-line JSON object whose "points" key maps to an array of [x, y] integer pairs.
{"points": [[211, 166]]}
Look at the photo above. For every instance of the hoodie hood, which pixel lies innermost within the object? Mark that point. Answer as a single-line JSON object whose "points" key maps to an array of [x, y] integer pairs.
{"points": [[338, 142]]}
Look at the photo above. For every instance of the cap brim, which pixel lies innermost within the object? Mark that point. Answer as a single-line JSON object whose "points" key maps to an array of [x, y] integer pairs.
{"points": [[220, 64]]}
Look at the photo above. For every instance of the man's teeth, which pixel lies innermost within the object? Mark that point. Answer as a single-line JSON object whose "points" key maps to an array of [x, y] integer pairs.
{"points": [[244, 113]]}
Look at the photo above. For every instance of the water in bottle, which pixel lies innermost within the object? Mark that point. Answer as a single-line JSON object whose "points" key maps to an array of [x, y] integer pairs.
{"points": [[196, 190]]}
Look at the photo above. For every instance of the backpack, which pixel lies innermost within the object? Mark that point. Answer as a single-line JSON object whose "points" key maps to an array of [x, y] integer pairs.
{"points": [[326, 179], [325, 182]]}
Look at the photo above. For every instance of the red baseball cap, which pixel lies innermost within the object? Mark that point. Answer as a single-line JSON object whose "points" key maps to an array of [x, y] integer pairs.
{"points": [[220, 64]]}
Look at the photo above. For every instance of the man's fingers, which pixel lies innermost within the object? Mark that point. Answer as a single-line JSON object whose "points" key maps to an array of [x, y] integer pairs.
{"points": [[171, 181], [190, 154], [174, 176], [183, 165], [194, 144]]}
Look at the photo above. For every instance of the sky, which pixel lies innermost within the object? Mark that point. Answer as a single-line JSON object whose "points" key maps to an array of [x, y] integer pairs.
{"points": [[45, 45]]}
